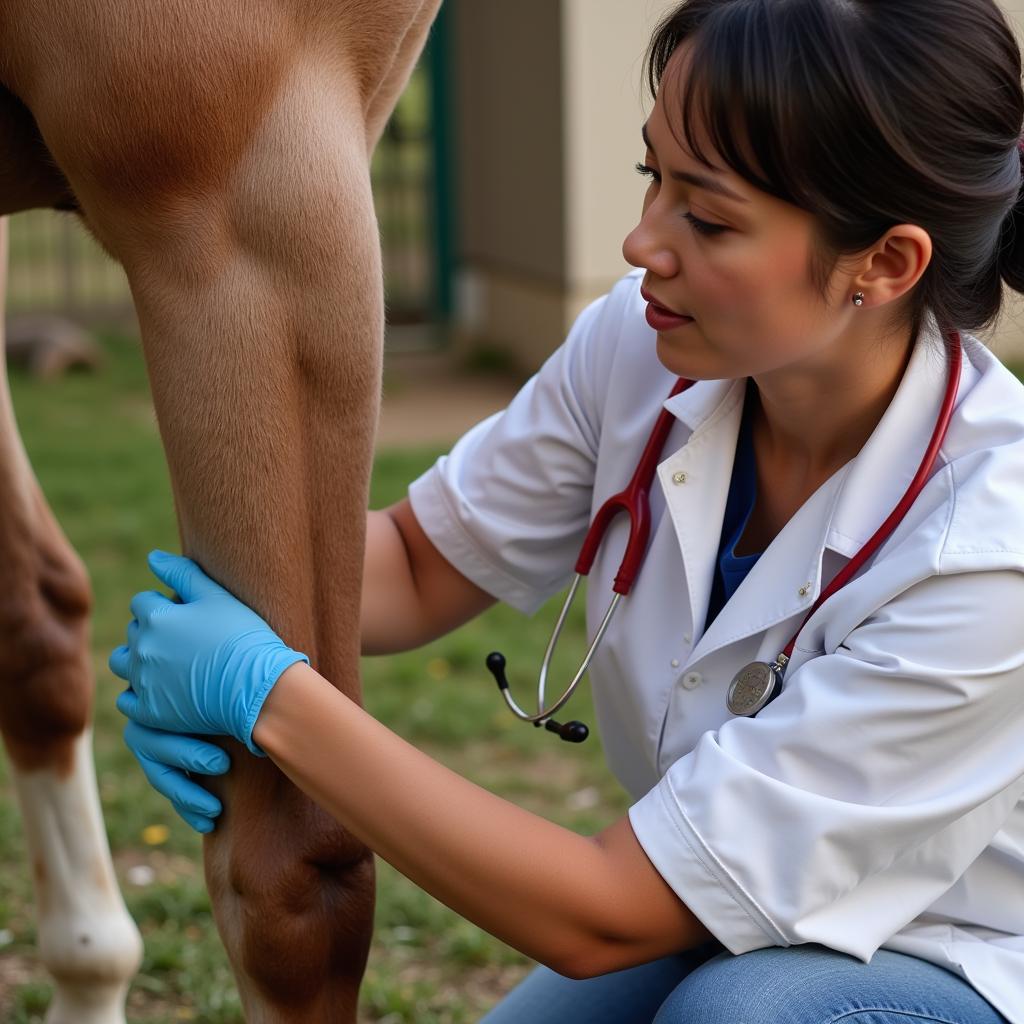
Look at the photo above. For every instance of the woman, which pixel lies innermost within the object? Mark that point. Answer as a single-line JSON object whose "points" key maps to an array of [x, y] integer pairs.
{"points": [[834, 203]]}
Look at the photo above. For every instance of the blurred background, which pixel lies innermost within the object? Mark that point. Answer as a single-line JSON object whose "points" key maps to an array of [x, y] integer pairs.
{"points": [[504, 186]]}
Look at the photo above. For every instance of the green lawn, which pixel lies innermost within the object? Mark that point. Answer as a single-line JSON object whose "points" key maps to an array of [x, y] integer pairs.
{"points": [[94, 445]]}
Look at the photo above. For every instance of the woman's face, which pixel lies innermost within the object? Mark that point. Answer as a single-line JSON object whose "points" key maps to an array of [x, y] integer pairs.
{"points": [[739, 264]]}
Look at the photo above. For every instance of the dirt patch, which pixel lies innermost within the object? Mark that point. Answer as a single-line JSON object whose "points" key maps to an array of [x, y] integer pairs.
{"points": [[15, 970], [430, 400]]}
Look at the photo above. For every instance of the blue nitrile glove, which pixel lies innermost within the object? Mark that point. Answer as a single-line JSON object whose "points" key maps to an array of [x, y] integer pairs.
{"points": [[166, 757], [203, 666]]}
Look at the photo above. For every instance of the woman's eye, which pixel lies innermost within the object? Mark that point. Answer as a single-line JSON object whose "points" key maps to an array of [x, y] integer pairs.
{"points": [[702, 227]]}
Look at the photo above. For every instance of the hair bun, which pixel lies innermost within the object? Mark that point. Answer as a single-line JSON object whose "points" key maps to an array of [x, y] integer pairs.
{"points": [[1011, 239]]}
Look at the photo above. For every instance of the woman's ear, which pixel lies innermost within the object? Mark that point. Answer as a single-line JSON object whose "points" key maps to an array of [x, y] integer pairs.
{"points": [[894, 266]]}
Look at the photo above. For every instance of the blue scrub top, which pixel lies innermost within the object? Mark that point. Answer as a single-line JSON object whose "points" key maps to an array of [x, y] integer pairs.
{"points": [[732, 570]]}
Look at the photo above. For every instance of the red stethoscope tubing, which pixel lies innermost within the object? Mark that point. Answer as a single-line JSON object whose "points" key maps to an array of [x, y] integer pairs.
{"points": [[634, 499], [915, 488]]}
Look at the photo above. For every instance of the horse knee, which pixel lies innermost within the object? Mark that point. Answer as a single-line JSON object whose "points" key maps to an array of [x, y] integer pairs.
{"points": [[301, 927], [292, 894]]}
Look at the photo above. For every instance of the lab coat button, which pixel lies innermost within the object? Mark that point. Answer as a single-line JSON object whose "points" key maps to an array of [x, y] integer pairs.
{"points": [[675, 663], [692, 680], [679, 478]]}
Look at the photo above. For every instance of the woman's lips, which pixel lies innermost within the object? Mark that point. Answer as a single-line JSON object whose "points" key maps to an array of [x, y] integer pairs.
{"points": [[660, 318], [663, 320]]}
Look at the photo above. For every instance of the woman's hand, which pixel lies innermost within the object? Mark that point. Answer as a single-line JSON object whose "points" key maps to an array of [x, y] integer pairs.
{"points": [[168, 759], [203, 666]]}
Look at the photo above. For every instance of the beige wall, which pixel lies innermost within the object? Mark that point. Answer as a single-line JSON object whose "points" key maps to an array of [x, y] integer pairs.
{"points": [[606, 104], [548, 117], [511, 242], [510, 131], [550, 104]]}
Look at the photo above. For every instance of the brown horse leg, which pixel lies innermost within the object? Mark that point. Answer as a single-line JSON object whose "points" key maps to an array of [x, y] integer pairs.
{"points": [[86, 938], [260, 302], [265, 371]]}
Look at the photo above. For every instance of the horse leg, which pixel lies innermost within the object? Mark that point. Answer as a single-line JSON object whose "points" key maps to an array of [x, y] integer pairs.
{"points": [[239, 203], [86, 938], [266, 372]]}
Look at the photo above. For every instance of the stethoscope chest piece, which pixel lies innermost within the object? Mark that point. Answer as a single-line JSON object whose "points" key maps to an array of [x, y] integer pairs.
{"points": [[754, 687]]}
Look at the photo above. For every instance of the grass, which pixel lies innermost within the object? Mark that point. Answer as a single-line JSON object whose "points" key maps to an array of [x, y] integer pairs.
{"points": [[94, 446]]}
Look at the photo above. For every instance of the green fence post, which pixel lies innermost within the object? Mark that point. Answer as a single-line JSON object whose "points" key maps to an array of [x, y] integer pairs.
{"points": [[443, 184]]}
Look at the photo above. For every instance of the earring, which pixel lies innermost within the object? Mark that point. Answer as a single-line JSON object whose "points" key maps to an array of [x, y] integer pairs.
{"points": [[858, 299]]}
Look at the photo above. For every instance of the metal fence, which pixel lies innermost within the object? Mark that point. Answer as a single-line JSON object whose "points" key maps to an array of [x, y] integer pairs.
{"points": [[402, 172], [56, 266]]}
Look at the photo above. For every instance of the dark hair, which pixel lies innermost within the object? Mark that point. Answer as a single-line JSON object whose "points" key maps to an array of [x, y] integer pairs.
{"points": [[868, 114]]}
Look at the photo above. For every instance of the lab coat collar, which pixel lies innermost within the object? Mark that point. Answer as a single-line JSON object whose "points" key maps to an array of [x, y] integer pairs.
{"points": [[881, 473], [706, 402], [842, 514]]}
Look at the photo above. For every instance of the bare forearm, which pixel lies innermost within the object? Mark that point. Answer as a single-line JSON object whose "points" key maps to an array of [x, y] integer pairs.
{"points": [[411, 594], [391, 616], [533, 884]]}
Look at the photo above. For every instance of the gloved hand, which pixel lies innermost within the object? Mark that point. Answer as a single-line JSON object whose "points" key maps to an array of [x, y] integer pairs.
{"points": [[204, 666], [166, 757]]}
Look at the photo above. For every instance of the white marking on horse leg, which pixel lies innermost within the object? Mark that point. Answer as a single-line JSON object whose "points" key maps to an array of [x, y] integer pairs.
{"points": [[86, 939]]}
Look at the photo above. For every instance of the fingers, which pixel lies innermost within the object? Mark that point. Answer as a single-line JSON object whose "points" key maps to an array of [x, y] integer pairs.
{"points": [[131, 706], [199, 822], [196, 806], [119, 661], [148, 601], [182, 575], [176, 750], [121, 657], [127, 701], [186, 795]]}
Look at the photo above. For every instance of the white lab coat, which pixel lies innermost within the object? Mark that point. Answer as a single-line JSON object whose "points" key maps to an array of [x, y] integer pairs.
{"points": [[876, 802]]}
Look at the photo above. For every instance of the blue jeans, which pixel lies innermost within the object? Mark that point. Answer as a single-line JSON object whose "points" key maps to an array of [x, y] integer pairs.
{"points": [[794, 985]]}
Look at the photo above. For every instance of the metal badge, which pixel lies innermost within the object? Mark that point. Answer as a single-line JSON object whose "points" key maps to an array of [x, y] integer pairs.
{"points": [[753, 687]]}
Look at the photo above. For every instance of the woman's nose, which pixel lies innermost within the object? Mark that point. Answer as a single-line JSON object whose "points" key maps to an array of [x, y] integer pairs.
{"points": [[644, 248]]}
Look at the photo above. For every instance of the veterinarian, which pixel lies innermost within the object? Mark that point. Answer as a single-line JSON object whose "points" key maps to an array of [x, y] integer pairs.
{"points": [[814, 688]]}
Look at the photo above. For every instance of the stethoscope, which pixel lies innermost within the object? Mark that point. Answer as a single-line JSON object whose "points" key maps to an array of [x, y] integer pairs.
{"points": [[756, 685]]}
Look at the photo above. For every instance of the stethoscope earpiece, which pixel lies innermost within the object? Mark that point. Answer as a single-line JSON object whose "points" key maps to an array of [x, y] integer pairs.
{"points": [[571, 732], [496, 666]]}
